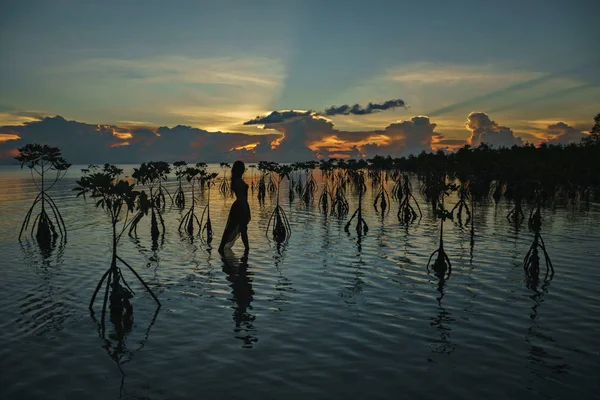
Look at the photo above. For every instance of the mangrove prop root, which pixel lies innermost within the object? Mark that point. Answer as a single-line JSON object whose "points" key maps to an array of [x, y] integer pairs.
{"points": [[44, 227], [339, 204], [179, 197], [188, 222], [141, 280], [206, 232], [279, 226], [461, 206], [531, 262], [383, 198], [406, 212], [325, 198], [262, 189]]}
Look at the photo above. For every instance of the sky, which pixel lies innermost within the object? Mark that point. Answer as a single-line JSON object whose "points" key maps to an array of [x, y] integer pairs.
{"points": [[129, 81]]}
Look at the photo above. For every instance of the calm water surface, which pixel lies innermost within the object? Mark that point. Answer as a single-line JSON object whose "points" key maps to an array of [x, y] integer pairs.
{"points": [[328, 316]]}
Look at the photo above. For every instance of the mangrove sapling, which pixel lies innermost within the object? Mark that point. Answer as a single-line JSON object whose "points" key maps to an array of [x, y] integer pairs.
{"points": [[462, 205], [291, 186], [515, 191], [253, 185], [192, 175], [382, 196], [44, 160], [269, 167], [325, 199], [163, 170], [497, 188], [442, 264], [396, 191], [310, 186], [339, 203], [179, 196], [262, 187], [224, 187], [299, 185], [432, 188], [531, 263], [361, 187], [406, 212], [278, 223], [206, 231], [115, 196], [151, 175], [202, 167]]}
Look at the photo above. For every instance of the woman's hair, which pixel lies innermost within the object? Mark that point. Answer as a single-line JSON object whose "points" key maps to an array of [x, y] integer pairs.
{"points": [[237, 170]]}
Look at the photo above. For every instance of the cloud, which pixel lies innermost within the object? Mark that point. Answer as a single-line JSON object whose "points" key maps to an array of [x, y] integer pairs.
{"points": [[277, 117], [562, 133], [428, 73], [484, 130], [83, 143], [255, 71], [300, 138], [357, 109], [312, 136]]}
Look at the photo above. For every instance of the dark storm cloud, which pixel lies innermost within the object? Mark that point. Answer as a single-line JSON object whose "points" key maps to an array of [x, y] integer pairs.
{"points": [[357, 109], [277, 117]]}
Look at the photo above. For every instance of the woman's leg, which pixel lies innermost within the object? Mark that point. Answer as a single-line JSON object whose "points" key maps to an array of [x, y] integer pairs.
{"points": [[244, 235]]}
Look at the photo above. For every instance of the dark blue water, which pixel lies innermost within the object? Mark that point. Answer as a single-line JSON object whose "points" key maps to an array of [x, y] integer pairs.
{"points": [[328, 316]]}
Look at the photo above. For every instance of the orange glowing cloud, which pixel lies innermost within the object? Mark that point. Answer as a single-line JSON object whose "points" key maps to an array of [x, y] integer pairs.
{"points": [[275, 143], [250, 146], [5, 137], [333, 143]]}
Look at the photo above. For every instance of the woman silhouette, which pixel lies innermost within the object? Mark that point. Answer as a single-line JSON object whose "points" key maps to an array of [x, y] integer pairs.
{"points": [[239, 215]]}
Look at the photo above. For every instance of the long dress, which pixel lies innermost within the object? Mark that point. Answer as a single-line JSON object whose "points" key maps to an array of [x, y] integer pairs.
{"points": [[239, 215]]}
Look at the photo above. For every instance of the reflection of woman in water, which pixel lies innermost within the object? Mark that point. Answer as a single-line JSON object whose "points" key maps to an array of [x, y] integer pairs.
{"points": [[242, 294], [239, 215]]}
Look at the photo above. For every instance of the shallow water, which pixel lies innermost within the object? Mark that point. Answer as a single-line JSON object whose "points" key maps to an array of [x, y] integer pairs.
{"points": [[330, 315]]}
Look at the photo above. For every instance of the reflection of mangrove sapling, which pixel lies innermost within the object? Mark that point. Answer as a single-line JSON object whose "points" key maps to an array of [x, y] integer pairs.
{"points": [[442, 264], [206, 232], [224, 186], [114, 196], [278, 222], [191, 174], [406, 212], [151, 175], [361, 224], [179, 197], [43, 160]]}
